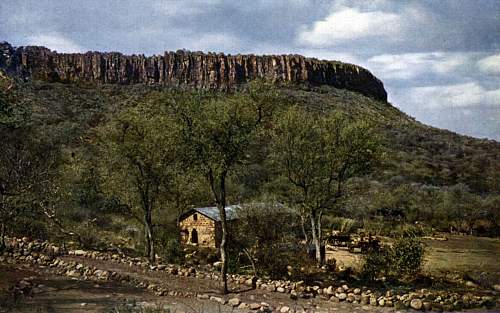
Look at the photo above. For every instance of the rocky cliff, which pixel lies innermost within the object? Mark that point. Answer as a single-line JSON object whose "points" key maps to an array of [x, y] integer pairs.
{"points": [[193, 69]]}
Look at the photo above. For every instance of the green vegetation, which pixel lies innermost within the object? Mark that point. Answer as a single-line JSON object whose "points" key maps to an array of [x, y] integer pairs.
{"points": [[403, 259], [111, 167], [319, 153]]}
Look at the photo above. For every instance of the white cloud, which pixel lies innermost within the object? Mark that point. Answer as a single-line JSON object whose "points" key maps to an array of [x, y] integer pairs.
{"points": [[458, 95], [490, 65], [350, 23], [211, 42], [55, 41], [410, 65]]}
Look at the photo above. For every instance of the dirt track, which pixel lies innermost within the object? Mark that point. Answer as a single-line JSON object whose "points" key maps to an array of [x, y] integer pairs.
{"points": [[64, 294]]}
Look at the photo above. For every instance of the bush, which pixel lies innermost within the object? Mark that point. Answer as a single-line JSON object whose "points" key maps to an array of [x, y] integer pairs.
{"points": [[172, 251], [404, 259], [376, 264], [407, 256]]}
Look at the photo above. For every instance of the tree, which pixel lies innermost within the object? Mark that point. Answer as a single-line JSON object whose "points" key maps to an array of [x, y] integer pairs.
{"points": [[140, 156], [27, 159], [216, 133], [318, 154]]}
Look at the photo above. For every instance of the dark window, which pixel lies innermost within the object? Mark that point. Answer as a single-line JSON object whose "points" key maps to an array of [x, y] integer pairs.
{"points": [[195, 217]]}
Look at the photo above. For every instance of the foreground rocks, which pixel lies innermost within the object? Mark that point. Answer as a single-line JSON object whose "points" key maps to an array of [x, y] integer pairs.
{"points": [[49, 257]]}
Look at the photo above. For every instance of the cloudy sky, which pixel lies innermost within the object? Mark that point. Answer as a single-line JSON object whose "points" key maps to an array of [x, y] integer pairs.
{"points": [[439, 60]]}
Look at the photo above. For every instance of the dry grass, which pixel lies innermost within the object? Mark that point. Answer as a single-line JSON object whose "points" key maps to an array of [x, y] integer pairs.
{"points": [[463, 254], [459, 254]]}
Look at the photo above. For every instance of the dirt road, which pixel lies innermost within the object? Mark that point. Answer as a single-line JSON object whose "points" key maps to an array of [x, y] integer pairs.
{"points": [[63, 294]]}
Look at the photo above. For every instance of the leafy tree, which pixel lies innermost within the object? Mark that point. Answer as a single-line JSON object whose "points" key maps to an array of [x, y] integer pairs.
{"points": [[216, 133], [139, 162], [267, 248], [318, 154], [27, 160]]}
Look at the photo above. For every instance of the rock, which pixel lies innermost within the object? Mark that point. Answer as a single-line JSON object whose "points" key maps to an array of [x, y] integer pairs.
{"points": [[334, 299], [271, 287], [381, 302], [427, 305], [365, 299], [79, 253], [234, 302], [280, 289], [357, 291], [255, 306], [203, 296], [496, 287], [284, 309], [342, 296], [218, 299], [416, 304], [195, 69], [73, 273], [243, 305], [471, 284]]}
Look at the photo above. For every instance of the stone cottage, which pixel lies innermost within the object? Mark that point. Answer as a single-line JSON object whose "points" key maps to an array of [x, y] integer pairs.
{"points": [[202, 226]]}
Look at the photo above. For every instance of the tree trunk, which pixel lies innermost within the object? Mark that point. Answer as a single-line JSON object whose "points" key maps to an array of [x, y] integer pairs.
{"points": [[316, 236], [223, 246], [148, 234], [303, 226], [2, 236]]}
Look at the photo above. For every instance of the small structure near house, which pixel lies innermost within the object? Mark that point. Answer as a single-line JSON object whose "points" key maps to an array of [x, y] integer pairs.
{"points": [[202, 226]]}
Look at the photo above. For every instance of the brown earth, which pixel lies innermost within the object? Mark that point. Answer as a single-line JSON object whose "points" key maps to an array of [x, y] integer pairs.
{"points": [[64, 294]]}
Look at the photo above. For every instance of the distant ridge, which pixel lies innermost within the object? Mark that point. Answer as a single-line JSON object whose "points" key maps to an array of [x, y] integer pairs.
{"points": [[184, 68]]}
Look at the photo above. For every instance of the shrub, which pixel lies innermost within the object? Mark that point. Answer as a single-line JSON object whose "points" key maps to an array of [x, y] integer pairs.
{"points": [[404, 259], [172, 251], [407, 255], [376, 264]]}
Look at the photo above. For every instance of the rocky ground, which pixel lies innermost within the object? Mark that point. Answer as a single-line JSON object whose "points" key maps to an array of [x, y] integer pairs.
{"points": [[39, 277]]}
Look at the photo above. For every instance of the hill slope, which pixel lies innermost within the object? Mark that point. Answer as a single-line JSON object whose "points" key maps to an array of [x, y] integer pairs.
{"points": [[423, 166]]}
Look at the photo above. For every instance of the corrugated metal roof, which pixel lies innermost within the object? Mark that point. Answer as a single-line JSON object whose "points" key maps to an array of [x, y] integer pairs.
{"points": [[231, 210], [213, 212]]}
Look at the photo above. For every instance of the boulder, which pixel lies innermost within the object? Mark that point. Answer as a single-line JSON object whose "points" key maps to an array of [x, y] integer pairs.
{"points": [[79, 253], [284, 309], [234, 302], [416, 304]]}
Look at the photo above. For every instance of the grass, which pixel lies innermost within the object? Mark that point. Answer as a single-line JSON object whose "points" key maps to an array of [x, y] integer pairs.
{"points": [[464, 255]]}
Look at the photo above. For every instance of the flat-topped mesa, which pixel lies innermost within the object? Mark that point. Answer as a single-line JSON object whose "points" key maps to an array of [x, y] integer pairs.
{"points": [[184, 68]]}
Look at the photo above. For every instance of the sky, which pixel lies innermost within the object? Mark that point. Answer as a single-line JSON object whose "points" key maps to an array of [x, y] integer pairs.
{"points": [[439, 60]]}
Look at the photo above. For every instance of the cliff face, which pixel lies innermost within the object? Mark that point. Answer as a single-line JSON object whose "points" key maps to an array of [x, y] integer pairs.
{"points": [[193, 69]]}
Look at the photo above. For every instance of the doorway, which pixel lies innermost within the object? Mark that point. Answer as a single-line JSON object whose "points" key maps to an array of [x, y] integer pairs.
{"points": [[194, 236]]}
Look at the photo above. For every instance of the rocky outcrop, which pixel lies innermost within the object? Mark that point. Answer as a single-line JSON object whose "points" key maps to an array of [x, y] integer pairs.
{"points": [[184, 68]]}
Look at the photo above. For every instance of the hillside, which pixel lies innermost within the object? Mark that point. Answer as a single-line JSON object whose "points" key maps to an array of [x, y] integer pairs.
{"points": [[430, 174], [415, 151]]}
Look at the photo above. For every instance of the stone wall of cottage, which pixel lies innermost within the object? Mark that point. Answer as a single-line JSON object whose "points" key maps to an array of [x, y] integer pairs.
{"points": [[206, 229]]}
